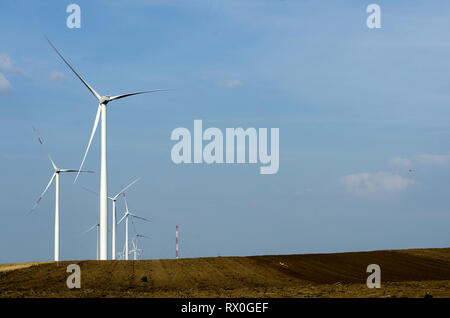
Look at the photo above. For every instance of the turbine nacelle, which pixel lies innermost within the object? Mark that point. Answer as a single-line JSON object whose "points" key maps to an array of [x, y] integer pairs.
{"points": [[105, 99]]}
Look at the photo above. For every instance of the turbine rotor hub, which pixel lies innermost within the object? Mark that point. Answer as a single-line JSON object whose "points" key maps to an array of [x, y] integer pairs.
{"points": [[105, 99]]}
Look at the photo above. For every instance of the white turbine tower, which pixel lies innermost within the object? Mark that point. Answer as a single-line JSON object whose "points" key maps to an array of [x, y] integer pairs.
{"points": [[125, 217], [114, 215], [136, 250], [135, 242], [122, 254], [101, 110], [55, 177], [114, 222], [96, 226]]}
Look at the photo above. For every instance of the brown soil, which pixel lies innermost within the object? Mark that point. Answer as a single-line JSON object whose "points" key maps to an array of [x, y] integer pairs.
{"points": [[404, 273]]}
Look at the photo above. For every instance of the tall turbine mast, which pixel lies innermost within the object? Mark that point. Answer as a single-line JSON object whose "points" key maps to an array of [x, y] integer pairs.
{"points": [[135, 242], [114, 215], [101, 110], [55, 176], [96, 226], [125, 217]]}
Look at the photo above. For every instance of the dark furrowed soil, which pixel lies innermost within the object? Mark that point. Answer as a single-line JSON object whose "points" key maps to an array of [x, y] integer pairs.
{"points": [[404, 273]]}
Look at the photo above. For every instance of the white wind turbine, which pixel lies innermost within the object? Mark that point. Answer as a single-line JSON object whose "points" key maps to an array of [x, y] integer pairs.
{"points": [[135, 242], [135, 249], [101, 110], [96, 226], [114, 215], [125, 217], [122, 254], [55, 177]]}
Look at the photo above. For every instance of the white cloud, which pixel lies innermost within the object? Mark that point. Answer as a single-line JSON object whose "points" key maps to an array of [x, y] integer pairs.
{"points": [[375, 185], [56, 76], [6, 63], [232, 84], [5, 85]]}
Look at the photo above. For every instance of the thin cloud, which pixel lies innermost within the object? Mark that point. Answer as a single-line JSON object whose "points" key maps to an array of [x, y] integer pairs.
{"points": [[423, 159], [302, 192], [232, 84], [7, 65], [399, 162], [56, 76], [435, 160], [5, 85], [380, 184]]}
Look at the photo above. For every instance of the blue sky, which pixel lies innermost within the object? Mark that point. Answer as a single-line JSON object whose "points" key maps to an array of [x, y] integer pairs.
{"points": [[357, 109]]}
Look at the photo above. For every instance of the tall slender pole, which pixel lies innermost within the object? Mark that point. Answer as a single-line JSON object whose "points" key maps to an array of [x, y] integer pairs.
{"points": [[126, 238], [57, 217], [97, 240], [113, 235], [103, 191], [176, 243]]}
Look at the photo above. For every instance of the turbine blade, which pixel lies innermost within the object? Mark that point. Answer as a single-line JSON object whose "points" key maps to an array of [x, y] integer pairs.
{"points": [[137, 93], [43, 193], [123, 190], [126, 202], [41, 142], [89, 190], [134, 227], [74, 170], [144, 236], [91, 228], [93, 192], [78, 75], [94, 128], [123, 217], [139, 217]]}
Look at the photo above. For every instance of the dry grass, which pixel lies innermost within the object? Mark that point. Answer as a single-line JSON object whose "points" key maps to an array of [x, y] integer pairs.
{"points": [[14, 266]]}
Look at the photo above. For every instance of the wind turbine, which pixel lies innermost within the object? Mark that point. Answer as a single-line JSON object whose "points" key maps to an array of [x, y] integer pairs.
{"points": [[136, 249], [55, 176], [122, 254], [114, 222], [125, 217], [101, 110], [135, 241], [90, 229]]}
